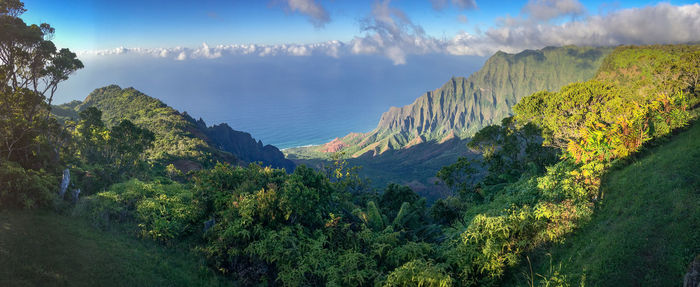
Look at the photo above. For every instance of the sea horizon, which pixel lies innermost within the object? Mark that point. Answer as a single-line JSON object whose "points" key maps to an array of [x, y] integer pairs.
{"points": [[284, 101]]}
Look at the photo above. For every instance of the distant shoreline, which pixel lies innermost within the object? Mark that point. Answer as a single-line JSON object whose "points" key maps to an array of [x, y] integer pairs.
{"points": [[301, 146]]}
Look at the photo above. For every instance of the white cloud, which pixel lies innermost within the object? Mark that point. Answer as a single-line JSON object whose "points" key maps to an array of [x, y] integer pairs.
{"points": [[318, 16], [330, 48], [389, 32], [550, 9], [208, 53], [660, 24], [182, 56]]}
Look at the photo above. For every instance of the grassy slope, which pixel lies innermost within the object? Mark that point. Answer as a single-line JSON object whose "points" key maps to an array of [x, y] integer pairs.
{"points": [[647, 230], [46, 249]]}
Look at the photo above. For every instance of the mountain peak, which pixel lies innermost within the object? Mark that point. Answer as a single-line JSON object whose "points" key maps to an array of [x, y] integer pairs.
{"points": [[462, 106]]}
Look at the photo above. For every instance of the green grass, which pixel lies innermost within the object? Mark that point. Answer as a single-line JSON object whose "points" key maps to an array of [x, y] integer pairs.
{"points": [[647, 230], [40, 248]]}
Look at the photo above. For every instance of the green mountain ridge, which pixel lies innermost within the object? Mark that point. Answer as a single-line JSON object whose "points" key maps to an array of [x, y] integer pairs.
{"points": [[180, 139], [611, 211], [464, 105], [595, 184]]}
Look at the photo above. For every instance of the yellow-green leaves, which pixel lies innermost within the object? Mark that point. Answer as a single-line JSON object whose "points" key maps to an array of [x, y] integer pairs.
{"points": [[420, 273]]}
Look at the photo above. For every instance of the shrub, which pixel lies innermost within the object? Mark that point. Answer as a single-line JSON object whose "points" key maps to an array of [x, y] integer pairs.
{"points": [[419, 273], [168, 214], [162, 211], [25, 188]]}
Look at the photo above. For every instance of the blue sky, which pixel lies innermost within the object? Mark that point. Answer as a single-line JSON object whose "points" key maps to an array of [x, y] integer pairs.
{"points": [[297, 72], [90, 25]]}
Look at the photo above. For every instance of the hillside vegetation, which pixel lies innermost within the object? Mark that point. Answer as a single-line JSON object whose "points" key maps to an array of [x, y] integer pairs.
{"points": [[536, 184], [645, 232], [544, 168], [462, 106], [179, 138]]}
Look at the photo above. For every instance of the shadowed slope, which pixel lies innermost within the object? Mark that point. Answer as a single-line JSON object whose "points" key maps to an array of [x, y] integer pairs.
{"points": [[46, 249]]}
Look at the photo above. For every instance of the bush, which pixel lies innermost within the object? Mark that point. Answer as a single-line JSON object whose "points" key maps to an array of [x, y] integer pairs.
{"points": [[419, 273], [169, 214], [163, 211], [102, 208], [25, 188]]}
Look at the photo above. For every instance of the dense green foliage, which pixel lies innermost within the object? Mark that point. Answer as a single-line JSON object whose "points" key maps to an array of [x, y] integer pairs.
{"points": [[271, 226], [150, 171], [24, 187], [163, 211], [180, 140], [645, 230], [508, 152], [31, 68]]}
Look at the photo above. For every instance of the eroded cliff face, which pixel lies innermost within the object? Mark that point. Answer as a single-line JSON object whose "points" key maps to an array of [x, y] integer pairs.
{"points": [[462, 106], [245, 147]]}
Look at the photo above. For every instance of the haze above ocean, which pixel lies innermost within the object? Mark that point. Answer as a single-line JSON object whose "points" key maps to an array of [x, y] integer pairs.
{"points": [[285, 101]]}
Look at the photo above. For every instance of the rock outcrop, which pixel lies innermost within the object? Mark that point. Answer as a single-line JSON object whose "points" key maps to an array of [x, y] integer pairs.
{"points": [[692, 278]]}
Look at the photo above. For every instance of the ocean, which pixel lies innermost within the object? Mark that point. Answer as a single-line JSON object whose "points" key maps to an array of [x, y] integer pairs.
{"points": [[285, 101]]}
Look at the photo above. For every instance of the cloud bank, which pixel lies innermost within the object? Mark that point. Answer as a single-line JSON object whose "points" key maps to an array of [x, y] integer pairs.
{"points": [[388, 31], [660, 24], [330, 48]]}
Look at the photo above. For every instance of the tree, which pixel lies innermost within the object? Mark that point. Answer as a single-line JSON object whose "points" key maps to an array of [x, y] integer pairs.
{"points": [[107, 156], [419, 272], [689, 67], [461, 175], [31, 69], [91, 136], [128, 143], [508, 151], [394, 196], [562, 115]]}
